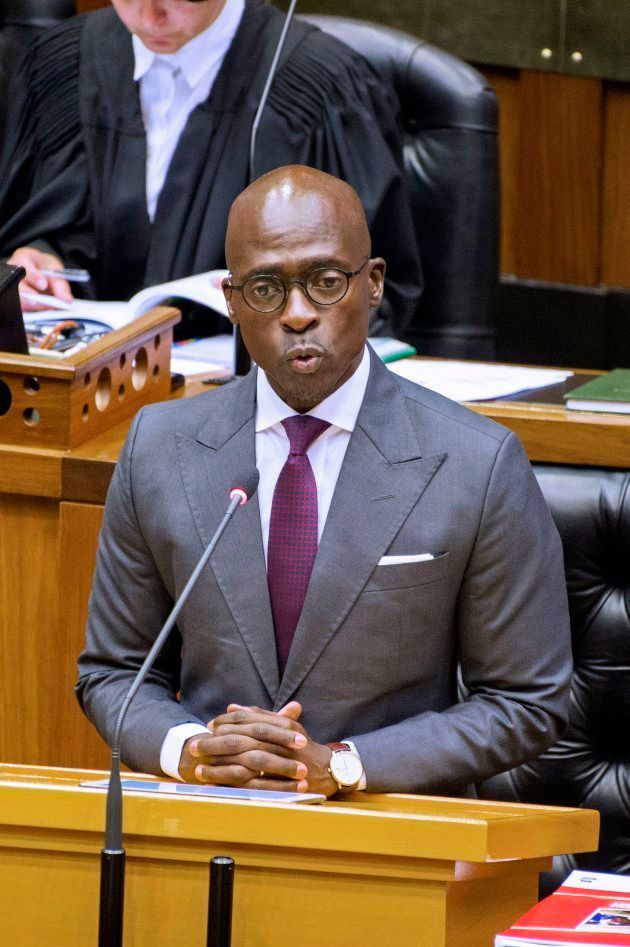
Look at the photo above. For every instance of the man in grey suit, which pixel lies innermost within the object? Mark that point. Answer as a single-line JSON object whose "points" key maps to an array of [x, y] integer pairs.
{"points": [[435, 549]]}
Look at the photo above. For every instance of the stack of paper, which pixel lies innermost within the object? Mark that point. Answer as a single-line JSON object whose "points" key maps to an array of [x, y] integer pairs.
{"points": [[213, 356], [476, 381]]}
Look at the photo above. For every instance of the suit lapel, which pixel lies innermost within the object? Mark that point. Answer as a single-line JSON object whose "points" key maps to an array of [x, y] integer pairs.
{"points": [[223, 447], [382, 477]]}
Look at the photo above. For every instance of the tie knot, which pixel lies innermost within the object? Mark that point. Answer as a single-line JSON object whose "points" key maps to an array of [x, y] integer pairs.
{"points": [[302, 430]]}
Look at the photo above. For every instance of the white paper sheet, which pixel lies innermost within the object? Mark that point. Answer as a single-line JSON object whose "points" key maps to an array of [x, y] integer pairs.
{"points": [[216, 350], [475, 381]]}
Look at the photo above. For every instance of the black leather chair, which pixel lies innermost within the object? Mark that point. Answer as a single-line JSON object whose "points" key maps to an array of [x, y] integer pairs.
{"points": [[590, 766], [21, 20], [36, 14], [449, 116]]}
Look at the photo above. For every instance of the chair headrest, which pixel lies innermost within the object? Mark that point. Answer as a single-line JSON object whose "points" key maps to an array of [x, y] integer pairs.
{"points": [[435, 89], [37, 13]]}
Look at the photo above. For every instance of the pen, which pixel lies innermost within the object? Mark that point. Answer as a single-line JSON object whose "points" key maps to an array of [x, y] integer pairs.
{"points": [[73, 276], [49, 302]]}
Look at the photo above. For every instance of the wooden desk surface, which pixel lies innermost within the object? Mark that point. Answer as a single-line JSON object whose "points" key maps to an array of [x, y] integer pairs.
{"points": [[444, 828], [406, 870], [552, 434]]}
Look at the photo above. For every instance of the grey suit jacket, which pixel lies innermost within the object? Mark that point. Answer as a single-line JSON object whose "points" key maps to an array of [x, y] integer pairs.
{"points": [[376, 652]]}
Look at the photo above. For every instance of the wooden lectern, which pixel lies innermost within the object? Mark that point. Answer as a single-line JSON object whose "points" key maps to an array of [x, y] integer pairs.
{"points": [[371, 871], [48, 402], [50, 408]]}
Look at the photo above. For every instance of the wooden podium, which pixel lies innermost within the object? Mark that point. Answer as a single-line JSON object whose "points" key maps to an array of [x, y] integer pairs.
{"points": [[50, 409], [369, 871]]}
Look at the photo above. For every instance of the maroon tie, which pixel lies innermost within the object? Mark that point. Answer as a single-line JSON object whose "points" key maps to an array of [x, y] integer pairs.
{"points": [[292, 543]]}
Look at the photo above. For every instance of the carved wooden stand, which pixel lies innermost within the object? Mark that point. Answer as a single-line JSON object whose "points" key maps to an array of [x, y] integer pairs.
{"points": [[61, 402]]}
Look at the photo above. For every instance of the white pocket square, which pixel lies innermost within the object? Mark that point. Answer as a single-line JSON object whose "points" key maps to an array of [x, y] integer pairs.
{"points": [[401, 560]]}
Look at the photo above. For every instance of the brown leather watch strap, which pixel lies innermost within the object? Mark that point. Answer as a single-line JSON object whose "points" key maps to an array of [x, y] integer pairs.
{"points": [[338, 747]]}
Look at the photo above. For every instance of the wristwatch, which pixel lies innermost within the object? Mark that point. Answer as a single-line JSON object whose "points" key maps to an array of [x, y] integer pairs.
{"points": [[345, 767]]}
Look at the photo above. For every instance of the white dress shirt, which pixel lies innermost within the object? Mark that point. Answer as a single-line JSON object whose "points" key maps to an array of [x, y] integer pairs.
{"points": [[173, 84], [326, 455]]}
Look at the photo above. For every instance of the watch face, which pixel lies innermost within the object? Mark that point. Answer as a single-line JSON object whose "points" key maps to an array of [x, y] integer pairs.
{"points": [[346, 768]]}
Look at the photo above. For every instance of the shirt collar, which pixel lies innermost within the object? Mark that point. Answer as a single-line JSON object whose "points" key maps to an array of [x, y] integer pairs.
{"points": [[340, 409], [201, 53]]}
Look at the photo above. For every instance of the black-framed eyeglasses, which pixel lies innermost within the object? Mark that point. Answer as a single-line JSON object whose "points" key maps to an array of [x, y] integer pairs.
{"points": [[325, 286]]}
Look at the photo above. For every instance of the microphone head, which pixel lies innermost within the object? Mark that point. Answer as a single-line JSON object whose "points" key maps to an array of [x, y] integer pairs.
{"points": [[245, 485]]}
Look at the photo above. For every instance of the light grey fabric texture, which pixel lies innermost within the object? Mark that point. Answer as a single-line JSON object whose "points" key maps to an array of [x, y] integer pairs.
{"points": [[377, 648]]}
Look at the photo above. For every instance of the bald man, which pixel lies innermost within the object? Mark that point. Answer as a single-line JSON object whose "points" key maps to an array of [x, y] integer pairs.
{"points": [[395, 537]]}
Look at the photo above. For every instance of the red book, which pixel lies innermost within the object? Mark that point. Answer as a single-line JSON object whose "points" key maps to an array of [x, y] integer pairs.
{"points": [[589, 909]]}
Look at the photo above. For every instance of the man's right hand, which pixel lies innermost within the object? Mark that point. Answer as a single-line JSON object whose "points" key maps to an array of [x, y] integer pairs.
{"points": [[34, 261], [248, 759]]}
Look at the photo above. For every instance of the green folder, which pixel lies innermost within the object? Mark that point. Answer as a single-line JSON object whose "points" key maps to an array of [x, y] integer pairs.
{"points": [[390, 350], [609, 392]]}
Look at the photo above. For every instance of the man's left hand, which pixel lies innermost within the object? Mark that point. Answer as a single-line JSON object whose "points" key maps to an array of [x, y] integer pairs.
{"points": [[269, 727]]}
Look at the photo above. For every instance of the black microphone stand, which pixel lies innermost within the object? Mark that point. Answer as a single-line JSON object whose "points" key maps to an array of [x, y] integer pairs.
{"points": [[220, 902], [112, 894]]}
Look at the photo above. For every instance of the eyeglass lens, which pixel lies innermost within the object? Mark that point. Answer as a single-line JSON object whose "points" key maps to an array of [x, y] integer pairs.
{"points": [[324, 286]]}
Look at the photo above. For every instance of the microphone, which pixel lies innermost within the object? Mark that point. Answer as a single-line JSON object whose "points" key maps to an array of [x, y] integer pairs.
{"points": [[265, 93], [242, 360], [113, 853]]}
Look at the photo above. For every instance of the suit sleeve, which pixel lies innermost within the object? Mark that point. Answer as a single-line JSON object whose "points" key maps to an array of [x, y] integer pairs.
{"points": [[128, 606], [514, 649]]}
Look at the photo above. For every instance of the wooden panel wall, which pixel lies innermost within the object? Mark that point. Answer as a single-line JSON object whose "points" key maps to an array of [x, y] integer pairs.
{"points": [[30, 587], [79, 525], [551, 157], [506, 85], [565, 154], [615, 246], [559, 176], [47, 555]]}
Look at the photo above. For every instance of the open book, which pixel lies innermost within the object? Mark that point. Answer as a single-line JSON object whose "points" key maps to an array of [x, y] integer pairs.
{"points": [[204, 288]]}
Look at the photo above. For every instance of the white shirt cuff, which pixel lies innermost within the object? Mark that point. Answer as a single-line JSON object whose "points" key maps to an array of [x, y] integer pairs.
{"points": [[363, 780], [171, 751]]}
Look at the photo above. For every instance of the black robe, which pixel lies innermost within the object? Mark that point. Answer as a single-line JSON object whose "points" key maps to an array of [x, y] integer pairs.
{"points": [[72, 177]]}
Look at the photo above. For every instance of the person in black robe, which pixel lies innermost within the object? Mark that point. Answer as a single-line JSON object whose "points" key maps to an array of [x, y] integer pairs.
{"points": [[72, 176]]}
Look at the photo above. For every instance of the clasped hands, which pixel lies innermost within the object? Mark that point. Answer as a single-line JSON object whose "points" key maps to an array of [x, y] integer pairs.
{"points": [[258, 749]]}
